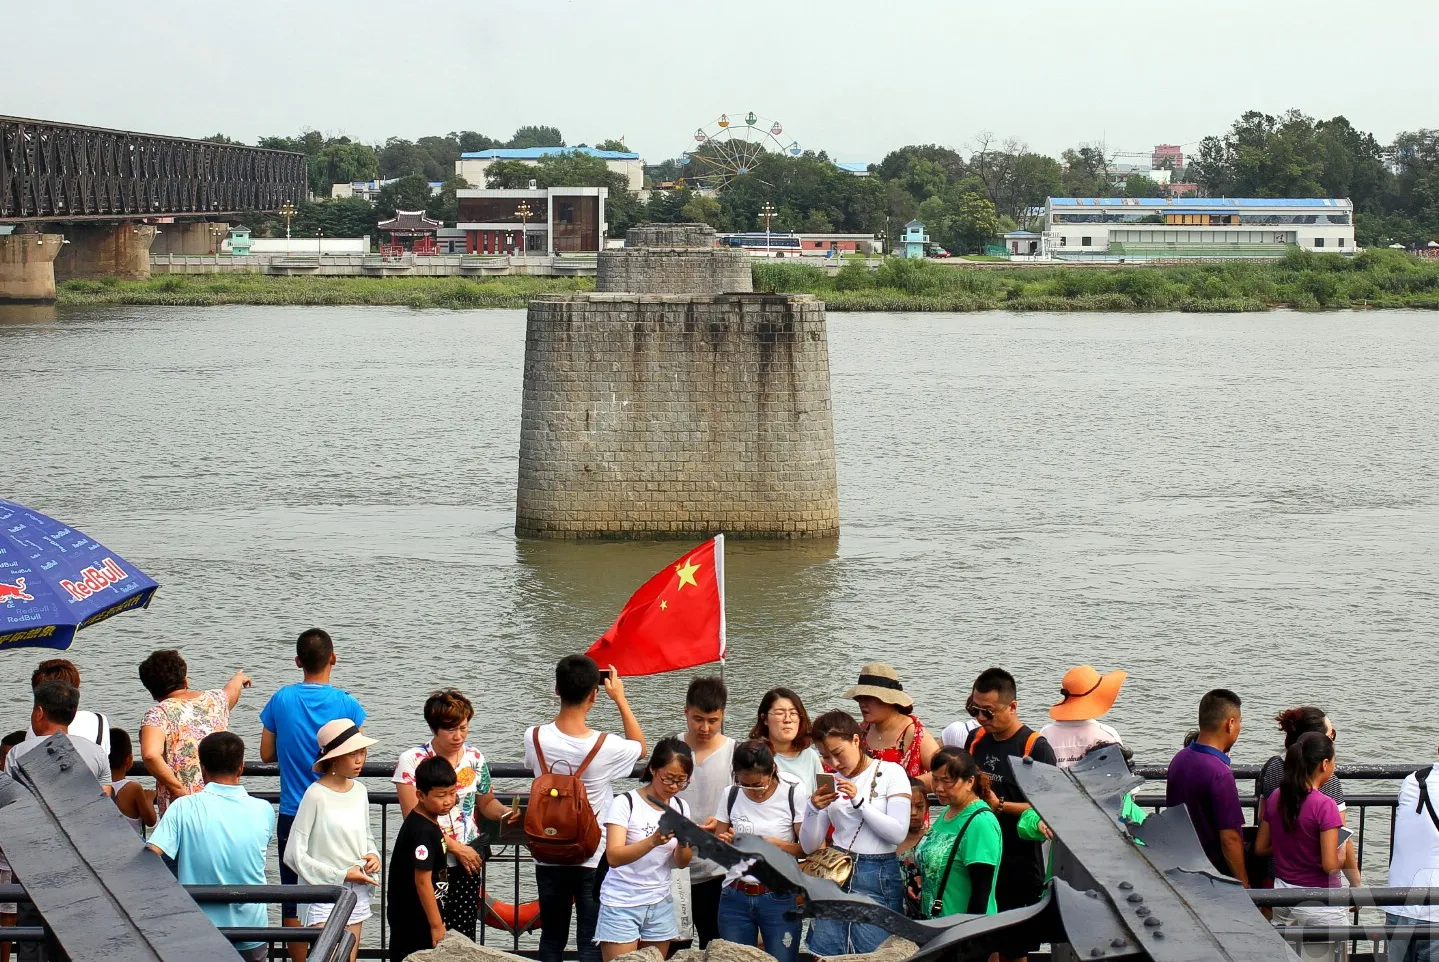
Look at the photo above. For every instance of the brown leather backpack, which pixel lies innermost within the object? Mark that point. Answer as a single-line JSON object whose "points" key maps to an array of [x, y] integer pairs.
{"points": [[560, 826]]}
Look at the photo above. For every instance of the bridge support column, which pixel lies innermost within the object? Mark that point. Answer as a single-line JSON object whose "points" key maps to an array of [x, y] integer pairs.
{"points": [[27, 266], [195, 238], [106, 250]]}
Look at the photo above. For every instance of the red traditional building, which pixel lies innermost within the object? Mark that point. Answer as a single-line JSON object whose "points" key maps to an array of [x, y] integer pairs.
{"points": [[410, 230]]}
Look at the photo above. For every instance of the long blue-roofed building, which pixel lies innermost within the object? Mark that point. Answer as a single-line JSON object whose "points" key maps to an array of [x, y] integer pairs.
{"points": [[1082, 228], [471, 166]]}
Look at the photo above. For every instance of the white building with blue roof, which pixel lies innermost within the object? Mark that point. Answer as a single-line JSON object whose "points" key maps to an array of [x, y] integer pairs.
{"points": [[471, 166], [1184, 227]]}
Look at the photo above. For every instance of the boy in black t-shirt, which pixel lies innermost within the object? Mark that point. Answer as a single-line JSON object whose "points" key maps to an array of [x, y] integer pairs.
{"points": [[1001, 737], [417, 864]]}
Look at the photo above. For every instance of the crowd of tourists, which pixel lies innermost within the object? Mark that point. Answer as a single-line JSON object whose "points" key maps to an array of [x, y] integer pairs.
{"points": [[846, 792]]}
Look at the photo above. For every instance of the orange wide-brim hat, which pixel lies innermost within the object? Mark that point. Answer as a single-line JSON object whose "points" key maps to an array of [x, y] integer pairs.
{"points": [[1087, 694]]}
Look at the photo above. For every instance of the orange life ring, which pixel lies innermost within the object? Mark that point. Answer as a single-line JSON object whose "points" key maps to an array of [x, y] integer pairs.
{"points": [[518, 919]]}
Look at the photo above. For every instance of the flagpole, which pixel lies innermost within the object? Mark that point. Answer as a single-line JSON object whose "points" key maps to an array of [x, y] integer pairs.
{"points": [[719, 583]]}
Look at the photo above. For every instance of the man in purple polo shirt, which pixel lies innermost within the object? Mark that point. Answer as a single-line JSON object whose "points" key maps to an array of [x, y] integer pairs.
{"points": [[1200, 779]]}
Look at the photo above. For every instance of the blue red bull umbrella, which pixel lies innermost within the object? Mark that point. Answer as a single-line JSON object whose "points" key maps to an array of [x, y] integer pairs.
{"points": [[55, 581]]}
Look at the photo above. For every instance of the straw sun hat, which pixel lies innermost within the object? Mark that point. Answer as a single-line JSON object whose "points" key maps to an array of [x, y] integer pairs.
{"points": [[878, 680], [1086, 694], [339, 737]]}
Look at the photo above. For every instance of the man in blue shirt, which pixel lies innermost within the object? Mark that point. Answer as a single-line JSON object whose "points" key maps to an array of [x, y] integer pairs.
{"points": [[1199, 778], [292, 718], [218, 836]]}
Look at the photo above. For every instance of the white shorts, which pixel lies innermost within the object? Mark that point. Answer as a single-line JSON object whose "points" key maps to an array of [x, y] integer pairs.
{"points": [[316, 915]]}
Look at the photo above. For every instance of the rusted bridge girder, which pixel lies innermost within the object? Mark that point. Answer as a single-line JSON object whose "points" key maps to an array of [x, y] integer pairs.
{"points": [[64, 172]]}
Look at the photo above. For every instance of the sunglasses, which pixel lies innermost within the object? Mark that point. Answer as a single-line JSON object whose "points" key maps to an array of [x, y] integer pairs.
{"points": [[975, 711]]}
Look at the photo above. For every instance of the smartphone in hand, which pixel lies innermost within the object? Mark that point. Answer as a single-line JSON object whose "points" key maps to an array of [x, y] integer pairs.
{"points": [[824, 781]]}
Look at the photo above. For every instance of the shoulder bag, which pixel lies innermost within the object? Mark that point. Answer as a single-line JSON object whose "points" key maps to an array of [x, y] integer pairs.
{"points": [[836, 864], [936, 908]]}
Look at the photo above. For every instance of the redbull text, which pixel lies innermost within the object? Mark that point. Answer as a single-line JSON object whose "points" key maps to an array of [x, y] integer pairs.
{"points": [[95, 579]]}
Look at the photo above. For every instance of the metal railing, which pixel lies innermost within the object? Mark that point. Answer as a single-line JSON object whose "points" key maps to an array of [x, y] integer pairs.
{"points": [[504, 874], [331, 942]]}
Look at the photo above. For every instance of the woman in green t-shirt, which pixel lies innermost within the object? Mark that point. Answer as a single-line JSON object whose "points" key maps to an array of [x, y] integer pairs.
{"points": [[958, 857]]}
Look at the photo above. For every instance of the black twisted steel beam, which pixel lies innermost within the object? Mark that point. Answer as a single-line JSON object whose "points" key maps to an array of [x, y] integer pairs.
{"points": [[64, 172]]}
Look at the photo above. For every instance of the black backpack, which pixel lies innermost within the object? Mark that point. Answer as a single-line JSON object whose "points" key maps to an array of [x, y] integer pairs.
{"points": [[1422, 777]]}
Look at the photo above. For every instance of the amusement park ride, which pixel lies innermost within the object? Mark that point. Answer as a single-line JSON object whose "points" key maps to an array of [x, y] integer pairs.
{"points": [[727, 150]]}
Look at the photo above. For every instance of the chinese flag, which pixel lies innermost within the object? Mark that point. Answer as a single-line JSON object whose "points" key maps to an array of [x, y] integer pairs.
{"points": [[676, 620]]}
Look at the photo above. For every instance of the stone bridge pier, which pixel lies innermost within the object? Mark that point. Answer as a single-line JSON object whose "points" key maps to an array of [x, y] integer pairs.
{"points": [[105, 250], [27, 266], [196, 237], [674, 402]]}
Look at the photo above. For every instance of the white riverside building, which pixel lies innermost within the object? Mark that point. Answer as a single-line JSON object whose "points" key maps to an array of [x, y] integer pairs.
{"points": [[1082, 228]]}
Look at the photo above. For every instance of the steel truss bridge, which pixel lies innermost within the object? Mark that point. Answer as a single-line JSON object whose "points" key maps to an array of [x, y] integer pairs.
{"points": [[67, 173]]}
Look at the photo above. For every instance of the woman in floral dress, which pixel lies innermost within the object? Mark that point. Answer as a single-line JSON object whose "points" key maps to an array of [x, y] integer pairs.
{"points": [[448, 713], [171, 730]]}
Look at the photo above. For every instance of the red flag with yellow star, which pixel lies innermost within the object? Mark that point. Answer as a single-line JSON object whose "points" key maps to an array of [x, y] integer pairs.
{"points": [[676, 620]]}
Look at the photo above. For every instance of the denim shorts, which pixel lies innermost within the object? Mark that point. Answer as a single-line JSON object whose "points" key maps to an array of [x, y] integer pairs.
{"points": [[643, 923]]}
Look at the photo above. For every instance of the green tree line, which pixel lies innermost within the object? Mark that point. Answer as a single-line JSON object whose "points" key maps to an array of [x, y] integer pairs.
{"points": [[965, 197]]}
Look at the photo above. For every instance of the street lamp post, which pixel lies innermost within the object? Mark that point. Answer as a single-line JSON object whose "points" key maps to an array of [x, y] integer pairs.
{"points": [[319, 241], [767, 212], [287, 211], [524, 213]]}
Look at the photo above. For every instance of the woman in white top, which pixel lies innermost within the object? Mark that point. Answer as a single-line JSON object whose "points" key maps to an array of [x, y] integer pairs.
{"points": [[784, 723], [868, 808], [636, 908], [766, 802], [331, 842]]}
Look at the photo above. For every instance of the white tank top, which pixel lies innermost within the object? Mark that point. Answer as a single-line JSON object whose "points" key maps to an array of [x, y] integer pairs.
{"points": [[135, 823]]}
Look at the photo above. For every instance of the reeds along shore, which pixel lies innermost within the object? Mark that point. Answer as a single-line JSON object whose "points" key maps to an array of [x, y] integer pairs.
{"points": [[1305, 281]]}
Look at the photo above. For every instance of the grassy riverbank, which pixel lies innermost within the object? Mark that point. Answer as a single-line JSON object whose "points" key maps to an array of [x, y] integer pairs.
{"points": [[209, 290], [1376, 278]]}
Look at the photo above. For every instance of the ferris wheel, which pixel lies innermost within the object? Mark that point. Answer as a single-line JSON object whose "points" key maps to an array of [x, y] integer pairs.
{"points": [[726, 150]]}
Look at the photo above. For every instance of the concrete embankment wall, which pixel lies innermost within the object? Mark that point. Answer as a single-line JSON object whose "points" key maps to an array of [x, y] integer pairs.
{"points": [[372, 265], [671, 416]]}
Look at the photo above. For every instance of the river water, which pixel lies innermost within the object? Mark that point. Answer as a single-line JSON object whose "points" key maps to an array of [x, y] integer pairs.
{"points": [[1248, 501]]}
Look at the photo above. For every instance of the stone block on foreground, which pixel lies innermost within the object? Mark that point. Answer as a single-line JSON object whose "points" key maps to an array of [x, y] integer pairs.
{"points": [[721, 951], [647, 954], [454, 947], [892, 949]]}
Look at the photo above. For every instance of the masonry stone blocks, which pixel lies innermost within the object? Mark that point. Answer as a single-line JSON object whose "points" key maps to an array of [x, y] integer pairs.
{"points": [[652, 413]]}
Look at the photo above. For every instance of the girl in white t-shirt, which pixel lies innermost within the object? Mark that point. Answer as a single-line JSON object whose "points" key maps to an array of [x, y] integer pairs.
{"points": [[766, 802], [331, 842], [636, 909], [868, 808]]}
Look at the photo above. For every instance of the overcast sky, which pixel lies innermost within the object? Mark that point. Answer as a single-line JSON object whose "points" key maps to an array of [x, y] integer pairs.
{"points": [[854, 78]]}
